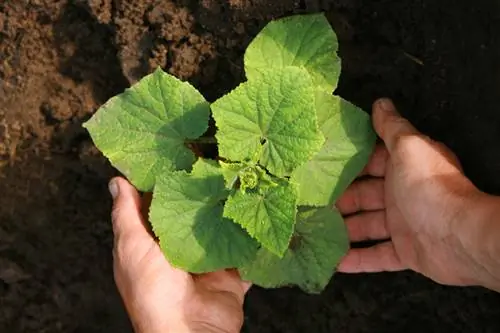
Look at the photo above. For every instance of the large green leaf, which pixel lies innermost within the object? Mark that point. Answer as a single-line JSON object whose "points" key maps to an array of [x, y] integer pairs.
{"points": [[143, 130], [271, 119], [306, 41], [319, 242], [349, 142], [267, 213], [186, 215]]}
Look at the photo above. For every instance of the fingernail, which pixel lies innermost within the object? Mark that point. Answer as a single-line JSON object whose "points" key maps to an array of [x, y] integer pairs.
{"points": [[113, 188], [386, 104]]}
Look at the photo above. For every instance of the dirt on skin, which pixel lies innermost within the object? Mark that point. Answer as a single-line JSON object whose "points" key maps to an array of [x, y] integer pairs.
{"points": [[61, 59]]}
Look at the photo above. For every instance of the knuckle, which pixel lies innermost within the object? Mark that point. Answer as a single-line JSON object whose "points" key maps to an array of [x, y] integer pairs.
{"points": [[405, 143], [123, 242], [130, 249], [116, 213]]}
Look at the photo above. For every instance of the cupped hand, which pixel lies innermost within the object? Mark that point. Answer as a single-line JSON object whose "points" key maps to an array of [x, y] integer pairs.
{"points": [[416, 202], [158, 297]]}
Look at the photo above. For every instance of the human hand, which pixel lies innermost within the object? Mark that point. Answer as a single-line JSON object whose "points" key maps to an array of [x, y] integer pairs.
{"points": [[419, 204], [158, 297]]}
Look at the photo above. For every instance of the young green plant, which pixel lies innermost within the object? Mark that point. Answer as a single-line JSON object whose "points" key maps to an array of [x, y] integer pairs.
{"points": [[287, 149]]}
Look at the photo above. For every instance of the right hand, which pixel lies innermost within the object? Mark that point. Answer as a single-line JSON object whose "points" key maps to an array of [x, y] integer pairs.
{"points": [[419, 204]]}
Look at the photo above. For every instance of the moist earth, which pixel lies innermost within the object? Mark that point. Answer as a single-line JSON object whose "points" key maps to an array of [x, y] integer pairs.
{"points": [[61, 59]]}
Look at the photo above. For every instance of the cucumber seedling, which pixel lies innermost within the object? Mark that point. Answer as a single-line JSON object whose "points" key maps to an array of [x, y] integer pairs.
{"points": [[287, 149]]}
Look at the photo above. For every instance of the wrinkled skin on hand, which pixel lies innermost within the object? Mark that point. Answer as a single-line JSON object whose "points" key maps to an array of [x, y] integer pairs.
{"points": [[158, 297]]}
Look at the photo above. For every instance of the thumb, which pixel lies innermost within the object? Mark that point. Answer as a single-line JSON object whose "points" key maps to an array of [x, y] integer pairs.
{"points": [[389, 124], [135, 252], [391, 127], [126, 214]]}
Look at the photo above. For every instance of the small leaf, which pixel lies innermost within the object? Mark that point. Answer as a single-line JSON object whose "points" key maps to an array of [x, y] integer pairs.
{"points": [[249, 178], [301, 40], [271, 119], [349, 143], [143, 130], [268, 214], [247, 175], [186, 215], [318, 244], [230, 171]]}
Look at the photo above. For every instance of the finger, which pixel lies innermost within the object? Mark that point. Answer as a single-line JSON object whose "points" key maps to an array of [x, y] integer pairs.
{"points": [[389, 125], [126, 214], [246, 286], [362, 195], [376, 165], [378, 258], [367, 226]]}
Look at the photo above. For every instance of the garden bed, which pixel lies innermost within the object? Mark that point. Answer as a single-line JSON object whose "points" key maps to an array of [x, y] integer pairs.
{"points": [[60, 60]]}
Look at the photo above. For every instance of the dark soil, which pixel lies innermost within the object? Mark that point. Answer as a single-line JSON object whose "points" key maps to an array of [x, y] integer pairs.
{"points": [[61, 59]]}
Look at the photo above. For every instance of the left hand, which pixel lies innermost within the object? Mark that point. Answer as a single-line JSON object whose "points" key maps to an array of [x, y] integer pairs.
{"points": [[158, 297]]}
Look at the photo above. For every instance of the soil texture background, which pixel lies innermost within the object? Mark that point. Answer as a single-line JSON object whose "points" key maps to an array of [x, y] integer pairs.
{"points": [[61, 59]]}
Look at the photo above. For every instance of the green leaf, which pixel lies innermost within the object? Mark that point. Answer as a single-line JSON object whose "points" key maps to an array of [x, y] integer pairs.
{"points": [[186, 215], [271, 119], [349, 143], [230, 171], [319, 243], [268, 214], [301, 40], [143, 130]]}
